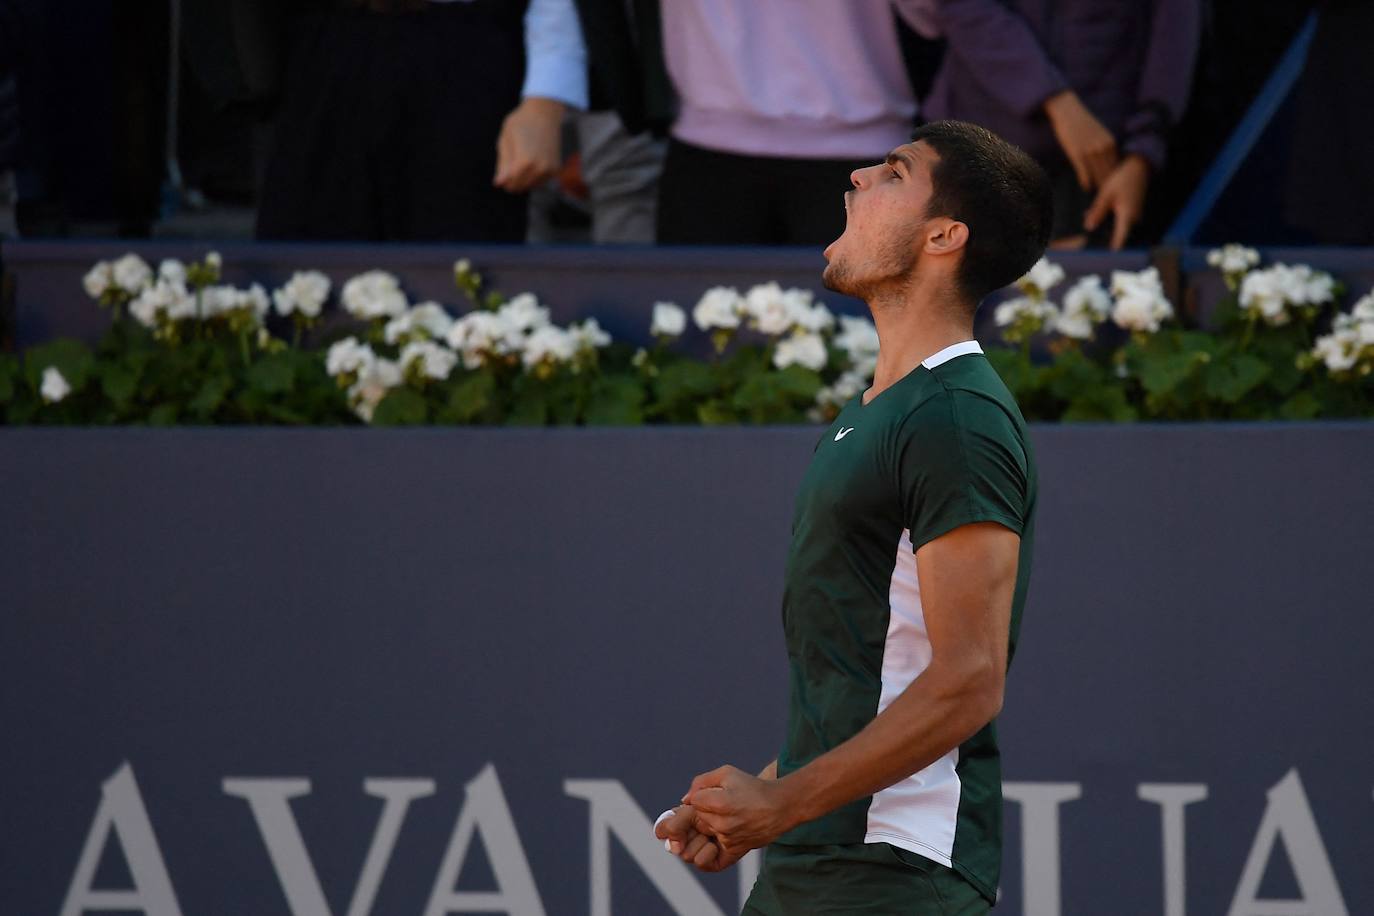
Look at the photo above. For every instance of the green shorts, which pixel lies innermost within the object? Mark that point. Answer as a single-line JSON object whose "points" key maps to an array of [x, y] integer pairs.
{"points": [[872, 879]]}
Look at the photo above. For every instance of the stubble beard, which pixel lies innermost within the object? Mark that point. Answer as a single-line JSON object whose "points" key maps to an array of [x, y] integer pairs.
{"points": [[892, 264]]}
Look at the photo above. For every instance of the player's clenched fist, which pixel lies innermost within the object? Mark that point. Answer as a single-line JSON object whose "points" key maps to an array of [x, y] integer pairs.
{"points": [[678, 831], [741, 811]]}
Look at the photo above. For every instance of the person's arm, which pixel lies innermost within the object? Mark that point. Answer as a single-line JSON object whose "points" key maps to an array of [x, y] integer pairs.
{"points": [[528, 149], [967, 579], [1009, 63], [1165, 82], [1165, 79]]}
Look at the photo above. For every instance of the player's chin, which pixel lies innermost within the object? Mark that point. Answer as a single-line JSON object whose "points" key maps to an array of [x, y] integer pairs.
{"points": [[833, 277]]}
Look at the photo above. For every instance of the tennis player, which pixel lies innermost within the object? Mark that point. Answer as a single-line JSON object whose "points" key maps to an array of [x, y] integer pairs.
{"points": [[907, 572]]}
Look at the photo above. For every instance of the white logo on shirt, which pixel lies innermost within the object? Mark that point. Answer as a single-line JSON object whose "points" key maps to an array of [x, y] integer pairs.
{"points": [[842, 433]]}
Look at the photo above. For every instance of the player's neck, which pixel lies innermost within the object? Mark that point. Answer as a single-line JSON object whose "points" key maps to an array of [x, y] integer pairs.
{"points": [[912, 327]]}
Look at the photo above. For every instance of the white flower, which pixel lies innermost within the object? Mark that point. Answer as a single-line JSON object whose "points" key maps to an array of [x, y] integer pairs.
{"points": [[858, 337], [435, 361], [132, 274], [1043, 276], [1233, 259], [426, 321], [172, 301], [348, 356], [768, 309], [805, 349], [1027, 309], [1140, 301], [98, 279], [588, 335], [549, 344], [809, 317], [1126, 282], [462, 266], [846, 387], [1363, 310], [1085, 304], [478, 335], [1321, 287], [668, 320], [524, 314], [1270, 293], [719, 307], [214, 261], [214, 302], [54, 387], [375, 294], [305, 294], [1140, 312], [254, 298], [374, 381], [1339, 351], [172, 270]]}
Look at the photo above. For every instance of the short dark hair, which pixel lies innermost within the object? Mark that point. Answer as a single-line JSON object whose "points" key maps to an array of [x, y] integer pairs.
{"points": [[999, 192]]}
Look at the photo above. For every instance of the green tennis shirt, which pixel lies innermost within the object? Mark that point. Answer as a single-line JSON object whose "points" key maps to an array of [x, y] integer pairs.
{"points": [[945, 446]]}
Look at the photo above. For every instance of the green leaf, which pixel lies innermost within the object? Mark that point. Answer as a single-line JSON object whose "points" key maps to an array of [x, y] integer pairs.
{"points": [[1022, 378], [1100, 405], [1161, 374], [530, 407], [1231, 378], [616, 401], [119, 383], [70, 357], [715, 413], [684, 382], [472, 398], [163, 415], [9, 369], [401, 407], [210, 396], [1302, 406], [799, 383], [273, 374]]}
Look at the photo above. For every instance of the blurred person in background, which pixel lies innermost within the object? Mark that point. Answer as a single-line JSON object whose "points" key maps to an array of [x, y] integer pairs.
{"points": [[779, 101], [620, 135], [420, 119], [1090, 88]]}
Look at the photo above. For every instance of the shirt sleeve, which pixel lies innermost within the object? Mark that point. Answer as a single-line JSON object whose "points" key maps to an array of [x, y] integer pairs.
{"points": [[960, 460], [1001, 51], [1165, 79], [555, 54]]}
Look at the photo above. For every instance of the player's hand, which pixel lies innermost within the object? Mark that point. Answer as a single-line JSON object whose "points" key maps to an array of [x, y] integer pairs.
{"points": [[741, 811], [1090, 147], [1123, 196], [691, 845], [529, 149]]}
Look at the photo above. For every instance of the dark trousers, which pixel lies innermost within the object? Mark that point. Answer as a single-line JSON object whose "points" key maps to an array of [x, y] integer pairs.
{"points": [[711, 198], [388, 126]]}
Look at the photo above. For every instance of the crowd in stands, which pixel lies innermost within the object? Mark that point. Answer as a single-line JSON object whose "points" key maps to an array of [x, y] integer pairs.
{"points": [[658, 121]]}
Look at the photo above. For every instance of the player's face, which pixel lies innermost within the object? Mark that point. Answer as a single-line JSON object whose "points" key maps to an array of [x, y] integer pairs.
{"points": [[885, 214]]}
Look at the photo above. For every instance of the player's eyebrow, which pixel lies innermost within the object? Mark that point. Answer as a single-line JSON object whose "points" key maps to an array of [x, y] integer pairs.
{"points": [[903, 157]]}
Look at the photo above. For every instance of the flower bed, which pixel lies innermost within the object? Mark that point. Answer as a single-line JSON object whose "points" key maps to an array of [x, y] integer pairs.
{"points": [[184, 348]]}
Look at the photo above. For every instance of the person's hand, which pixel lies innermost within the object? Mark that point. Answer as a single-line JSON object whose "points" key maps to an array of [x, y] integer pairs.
{"points": [[691, 845], [1090, 147], [742, 812], [529, 149], [1123, 196]]}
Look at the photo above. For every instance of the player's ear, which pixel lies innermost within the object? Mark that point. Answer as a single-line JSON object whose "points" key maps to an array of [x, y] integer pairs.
{"points": [[945, 236]]}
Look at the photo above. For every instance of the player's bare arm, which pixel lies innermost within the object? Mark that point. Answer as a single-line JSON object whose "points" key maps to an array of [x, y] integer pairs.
{"points": [[967, 580]]}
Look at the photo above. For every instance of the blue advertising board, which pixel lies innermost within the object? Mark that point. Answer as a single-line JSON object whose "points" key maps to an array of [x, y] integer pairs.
{"points": [[459, 671]]}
